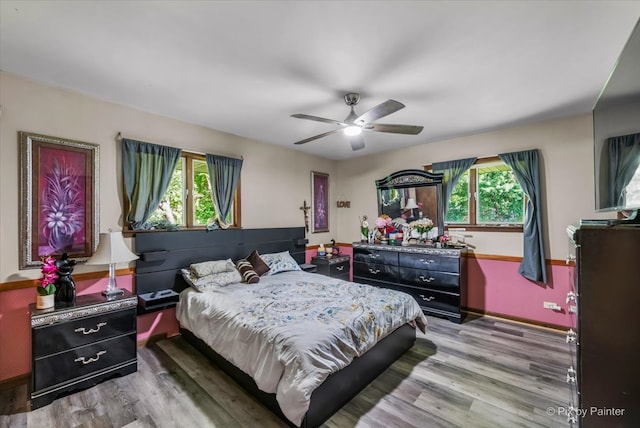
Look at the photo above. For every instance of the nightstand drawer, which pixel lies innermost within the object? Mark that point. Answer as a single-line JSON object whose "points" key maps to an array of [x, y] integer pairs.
{"points": [[82, 331], [78, 362], [424, 278], [431, 262], [341, 268]]}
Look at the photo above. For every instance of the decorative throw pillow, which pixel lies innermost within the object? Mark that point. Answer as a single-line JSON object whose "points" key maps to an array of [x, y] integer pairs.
{"points": [[211, 267], [280, 262], [209, 282], [249, 275], [258, 264]]}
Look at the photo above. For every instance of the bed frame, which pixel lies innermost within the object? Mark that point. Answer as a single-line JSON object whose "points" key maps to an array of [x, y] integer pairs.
{"points": [[162, 255]]}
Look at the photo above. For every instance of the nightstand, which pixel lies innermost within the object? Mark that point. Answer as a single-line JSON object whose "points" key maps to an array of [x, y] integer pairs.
{"points": [[335, 267], [78, 346]]}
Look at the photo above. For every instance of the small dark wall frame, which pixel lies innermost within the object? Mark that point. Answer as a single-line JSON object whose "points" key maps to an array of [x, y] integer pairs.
{"points": [[319, 202], [59, 198]]}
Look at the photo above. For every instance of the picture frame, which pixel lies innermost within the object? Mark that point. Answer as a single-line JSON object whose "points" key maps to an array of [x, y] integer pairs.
{"points": [[59, 198], [319, 202]]}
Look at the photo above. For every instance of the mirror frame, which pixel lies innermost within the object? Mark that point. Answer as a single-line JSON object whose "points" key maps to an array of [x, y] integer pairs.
{"points": [[410, 178]]}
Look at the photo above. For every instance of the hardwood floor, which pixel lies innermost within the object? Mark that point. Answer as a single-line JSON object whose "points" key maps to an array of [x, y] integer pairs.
{"points": [[483, 373]]}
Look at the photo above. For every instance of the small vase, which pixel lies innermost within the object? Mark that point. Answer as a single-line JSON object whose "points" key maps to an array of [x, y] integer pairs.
{"points": [[45, 302]]}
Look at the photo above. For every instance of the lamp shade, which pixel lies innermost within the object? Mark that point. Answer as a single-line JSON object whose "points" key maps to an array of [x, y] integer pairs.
{"points": [[411, 204], [111, 249]]}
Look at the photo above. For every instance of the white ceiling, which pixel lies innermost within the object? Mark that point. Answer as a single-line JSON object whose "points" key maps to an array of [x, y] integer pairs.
{"points": [[460, 67]]}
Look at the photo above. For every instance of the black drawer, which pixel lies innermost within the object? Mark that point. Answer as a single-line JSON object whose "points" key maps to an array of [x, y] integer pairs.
{"points": [[431, 262], [376, 271], [337, 269], [375, 256], [433, 301], [55, 338], [375, 283], [342, 276], [78, 362], [423, 278]]}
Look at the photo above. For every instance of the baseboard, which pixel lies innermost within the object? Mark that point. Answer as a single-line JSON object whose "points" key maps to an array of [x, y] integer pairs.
{"points": [[526, 321], [13, 382]]}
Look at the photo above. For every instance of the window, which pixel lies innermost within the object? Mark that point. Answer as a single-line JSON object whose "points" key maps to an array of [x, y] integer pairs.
{"points": [[188, 201], [487, 196]]}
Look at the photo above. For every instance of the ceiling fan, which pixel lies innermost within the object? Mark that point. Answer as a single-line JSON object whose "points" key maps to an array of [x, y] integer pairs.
{"points": [[353, 125]]}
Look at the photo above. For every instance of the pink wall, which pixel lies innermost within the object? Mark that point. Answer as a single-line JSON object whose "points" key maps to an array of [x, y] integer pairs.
{"points": [[15, 330], [496, 286]]}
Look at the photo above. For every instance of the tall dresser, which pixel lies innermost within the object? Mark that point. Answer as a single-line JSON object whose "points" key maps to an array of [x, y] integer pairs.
{"points": [[435, 277], [605, 343]]}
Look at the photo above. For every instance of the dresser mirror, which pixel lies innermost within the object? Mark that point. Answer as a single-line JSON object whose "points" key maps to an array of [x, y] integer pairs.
{"points": [[411, 194]]}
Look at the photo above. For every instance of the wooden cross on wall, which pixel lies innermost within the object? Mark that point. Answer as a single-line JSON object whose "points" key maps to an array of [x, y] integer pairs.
{"points": [[305, 208]]}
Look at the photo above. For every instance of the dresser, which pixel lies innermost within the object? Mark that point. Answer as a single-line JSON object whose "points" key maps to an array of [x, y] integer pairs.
{"points": [[335, 266], [435, 277], [78, 346], [604, 341]]}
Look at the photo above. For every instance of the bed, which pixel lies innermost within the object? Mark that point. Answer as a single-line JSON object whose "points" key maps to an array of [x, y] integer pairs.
{"points": [[304, 380]]}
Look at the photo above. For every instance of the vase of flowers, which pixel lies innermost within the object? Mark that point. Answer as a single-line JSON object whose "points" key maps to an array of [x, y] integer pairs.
{"points": [[46, 288], [423, 226]]}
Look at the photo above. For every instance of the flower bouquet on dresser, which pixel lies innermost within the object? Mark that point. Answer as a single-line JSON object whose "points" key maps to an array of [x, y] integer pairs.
{"points": [[422, 226]]}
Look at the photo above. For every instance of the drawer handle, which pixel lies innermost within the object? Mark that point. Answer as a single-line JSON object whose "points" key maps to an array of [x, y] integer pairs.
{"points": [[426, 279], [374, 271], [339, 267], [428, 299], [91, 330], [84, 360], [427, 262]]}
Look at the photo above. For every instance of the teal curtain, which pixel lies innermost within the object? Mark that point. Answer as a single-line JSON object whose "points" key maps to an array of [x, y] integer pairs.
{"points": [[147, 173], [452, 171], [224, 174], [526, 168], [624, 158]]}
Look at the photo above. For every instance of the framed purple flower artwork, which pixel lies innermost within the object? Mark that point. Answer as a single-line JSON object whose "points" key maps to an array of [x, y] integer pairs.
{"points": [[319, 202], [59, 195]]}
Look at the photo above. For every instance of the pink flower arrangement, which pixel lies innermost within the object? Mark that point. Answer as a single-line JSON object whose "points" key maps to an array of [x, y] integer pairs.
{"points": [[444, 239], [49, 276], [383, 221]]}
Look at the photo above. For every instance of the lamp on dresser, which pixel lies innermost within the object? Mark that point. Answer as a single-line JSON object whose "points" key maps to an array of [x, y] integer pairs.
{"points": [[111, 250]]}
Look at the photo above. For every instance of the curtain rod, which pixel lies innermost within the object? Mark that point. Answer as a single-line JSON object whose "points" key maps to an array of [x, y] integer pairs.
{"points": [[120, 137]]}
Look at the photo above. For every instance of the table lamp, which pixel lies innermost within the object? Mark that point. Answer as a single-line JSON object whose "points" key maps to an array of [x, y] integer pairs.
{"points": [[111, 250]]}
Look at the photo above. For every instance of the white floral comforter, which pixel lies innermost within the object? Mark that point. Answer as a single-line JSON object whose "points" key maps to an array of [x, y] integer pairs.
{"points": [[292, 330]]}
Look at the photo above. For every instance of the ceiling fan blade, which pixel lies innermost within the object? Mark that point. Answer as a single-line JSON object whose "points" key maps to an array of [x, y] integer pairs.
{"points": [[315, 137], [394, 129], [379, 111], [319, 119], [357, 142]]}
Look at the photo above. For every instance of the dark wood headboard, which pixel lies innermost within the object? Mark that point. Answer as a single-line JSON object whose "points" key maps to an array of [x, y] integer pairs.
{"points": [[162, 255]]}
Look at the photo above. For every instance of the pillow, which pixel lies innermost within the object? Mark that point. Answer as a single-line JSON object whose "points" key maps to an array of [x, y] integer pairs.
{"points": [[211, 267], [258, 264], [280, 262], [209, 282], [249, 275]]}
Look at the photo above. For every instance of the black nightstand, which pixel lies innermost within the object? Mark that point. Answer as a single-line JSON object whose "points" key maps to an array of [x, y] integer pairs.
{"points": [[335, 267], [75, 347]]}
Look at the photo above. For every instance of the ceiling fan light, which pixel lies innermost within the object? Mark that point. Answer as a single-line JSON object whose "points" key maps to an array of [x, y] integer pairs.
{"points": [[352, 130]]}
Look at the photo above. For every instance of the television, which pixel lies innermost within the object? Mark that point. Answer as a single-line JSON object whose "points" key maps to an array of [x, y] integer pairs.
{"points": [[616, 132]]}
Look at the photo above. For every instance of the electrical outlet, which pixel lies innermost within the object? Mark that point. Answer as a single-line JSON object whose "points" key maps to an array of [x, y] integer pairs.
{"points": [[551, 305]]}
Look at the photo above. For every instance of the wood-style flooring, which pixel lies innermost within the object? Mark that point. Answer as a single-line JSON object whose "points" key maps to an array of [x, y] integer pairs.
{"points": [[482, 373]]}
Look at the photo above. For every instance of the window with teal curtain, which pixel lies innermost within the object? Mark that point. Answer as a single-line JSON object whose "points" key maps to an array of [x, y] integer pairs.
{"points": [[148, 169]]}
